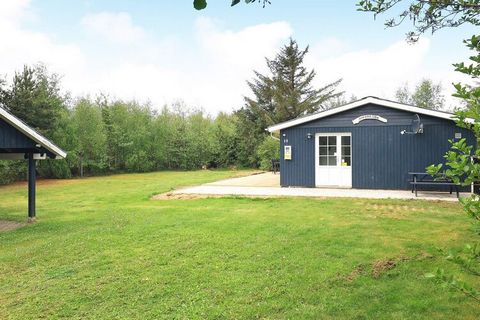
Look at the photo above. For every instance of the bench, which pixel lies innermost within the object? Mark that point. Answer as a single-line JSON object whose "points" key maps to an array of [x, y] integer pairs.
{"points": [[275, 166], [419, 179]]}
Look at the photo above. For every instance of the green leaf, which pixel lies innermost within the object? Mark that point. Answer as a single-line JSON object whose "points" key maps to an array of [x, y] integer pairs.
{"points": [[199, 4], [235, 2], [429, 275]]}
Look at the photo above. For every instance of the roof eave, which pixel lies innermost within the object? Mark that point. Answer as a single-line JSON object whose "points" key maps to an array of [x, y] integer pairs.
{"points": [[32, 134], [361, 102]]}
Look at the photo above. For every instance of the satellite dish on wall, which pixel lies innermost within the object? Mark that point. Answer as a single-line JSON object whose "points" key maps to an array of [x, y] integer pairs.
{"points": [[417, 126]]}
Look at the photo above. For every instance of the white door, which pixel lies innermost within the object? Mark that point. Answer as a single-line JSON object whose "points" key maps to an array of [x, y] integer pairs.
{"points": [[333, 160]]}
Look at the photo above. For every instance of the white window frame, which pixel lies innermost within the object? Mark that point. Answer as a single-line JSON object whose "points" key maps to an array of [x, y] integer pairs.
{"points": [[339, 147]]}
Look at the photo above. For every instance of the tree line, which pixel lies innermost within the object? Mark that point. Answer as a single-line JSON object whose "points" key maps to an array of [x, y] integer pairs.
{"points": [[103, 135]]}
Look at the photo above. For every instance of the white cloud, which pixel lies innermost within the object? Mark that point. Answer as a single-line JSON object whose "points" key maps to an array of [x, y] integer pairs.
{"points": [[12, 11], [211, 71], [242, 48], [328, 47], [367, 72], [20, 46], [114, 26], [378, 73], [229, 58]]}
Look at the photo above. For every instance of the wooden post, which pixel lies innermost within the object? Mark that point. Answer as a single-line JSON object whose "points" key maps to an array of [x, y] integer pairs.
{"points": [[31, 187]]}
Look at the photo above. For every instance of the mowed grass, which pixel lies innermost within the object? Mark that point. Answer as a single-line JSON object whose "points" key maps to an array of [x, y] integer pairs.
{"points": [[101, 249]]}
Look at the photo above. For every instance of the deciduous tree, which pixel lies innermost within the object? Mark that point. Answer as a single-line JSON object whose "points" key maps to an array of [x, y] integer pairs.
{"points": [[89, 135], [425, 15], [426, 94]]}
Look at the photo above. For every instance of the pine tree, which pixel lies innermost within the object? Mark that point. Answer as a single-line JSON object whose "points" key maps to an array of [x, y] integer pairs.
{"points": [[288, 91], [35, 98]]}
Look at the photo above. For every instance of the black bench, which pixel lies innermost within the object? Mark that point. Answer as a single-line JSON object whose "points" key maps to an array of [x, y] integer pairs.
{"points": [[275, 166], [424, 179]]}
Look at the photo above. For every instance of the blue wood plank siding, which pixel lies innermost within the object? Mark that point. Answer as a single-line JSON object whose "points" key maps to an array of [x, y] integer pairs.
{"points": [[381, 156], [11, 138]]}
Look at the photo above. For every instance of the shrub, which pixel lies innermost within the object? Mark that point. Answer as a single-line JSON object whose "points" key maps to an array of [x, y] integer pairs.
{"points": [[269, 149]]}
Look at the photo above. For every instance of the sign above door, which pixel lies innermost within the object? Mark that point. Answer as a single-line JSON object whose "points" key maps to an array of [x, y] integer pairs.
{"points": [[369, 117]]}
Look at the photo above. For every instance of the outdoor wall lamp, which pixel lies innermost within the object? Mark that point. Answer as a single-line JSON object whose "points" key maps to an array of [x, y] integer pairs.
{"points": [[309, 135]]}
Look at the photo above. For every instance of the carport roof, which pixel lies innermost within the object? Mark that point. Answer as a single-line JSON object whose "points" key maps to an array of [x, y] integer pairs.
{"points": [[32, 134], [359, 103]]}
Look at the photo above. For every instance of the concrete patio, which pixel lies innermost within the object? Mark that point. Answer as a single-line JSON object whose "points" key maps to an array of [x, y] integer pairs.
{"points": [[268, 185], [266, 179]]}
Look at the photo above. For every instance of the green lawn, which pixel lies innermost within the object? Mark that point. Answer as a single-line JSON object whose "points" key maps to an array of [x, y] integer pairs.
{"points": [[101, 249]]}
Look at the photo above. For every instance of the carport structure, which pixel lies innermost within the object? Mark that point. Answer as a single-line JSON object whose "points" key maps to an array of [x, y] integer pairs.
{"points": [[20, 142]]}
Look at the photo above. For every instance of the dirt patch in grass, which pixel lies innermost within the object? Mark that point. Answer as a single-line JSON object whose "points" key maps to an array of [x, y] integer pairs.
{"points": [[184, 196], [394, 211], [382, 266], [359, 270], [6, 225]]}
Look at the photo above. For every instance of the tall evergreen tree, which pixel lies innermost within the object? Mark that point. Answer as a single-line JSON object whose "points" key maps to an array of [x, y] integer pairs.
{"points": [[288, 91], [285, 93]]}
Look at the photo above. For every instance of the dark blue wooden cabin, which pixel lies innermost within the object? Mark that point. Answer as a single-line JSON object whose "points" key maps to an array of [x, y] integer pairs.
{"points": [[20, 142], [371, 143]]}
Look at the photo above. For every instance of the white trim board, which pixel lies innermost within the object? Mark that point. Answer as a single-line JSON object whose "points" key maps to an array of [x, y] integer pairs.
{"points": [[22, 156], [359, 103], [32, 134]]}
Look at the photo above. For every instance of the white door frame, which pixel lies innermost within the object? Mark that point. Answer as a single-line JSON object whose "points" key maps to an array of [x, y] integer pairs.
{"points": [[333, 176]]}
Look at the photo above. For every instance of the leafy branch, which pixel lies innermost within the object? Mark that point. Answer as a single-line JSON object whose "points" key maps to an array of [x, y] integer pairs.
{"points": [[462, 165], [425, 15]]}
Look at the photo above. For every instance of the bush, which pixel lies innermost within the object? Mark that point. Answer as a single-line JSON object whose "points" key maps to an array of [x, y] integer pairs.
{"points": [[269, 149], [52, 168], [11, 171]]}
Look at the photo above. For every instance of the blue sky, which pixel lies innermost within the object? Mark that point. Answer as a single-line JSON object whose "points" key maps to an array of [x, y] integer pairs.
{"points": [[165, 51]]}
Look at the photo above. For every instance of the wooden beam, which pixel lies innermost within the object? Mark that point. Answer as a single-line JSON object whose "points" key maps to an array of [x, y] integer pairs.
{"points": [[32, 177]]}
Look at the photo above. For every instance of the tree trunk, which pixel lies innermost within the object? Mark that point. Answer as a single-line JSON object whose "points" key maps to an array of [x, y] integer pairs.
{"points": [[81, 166]]}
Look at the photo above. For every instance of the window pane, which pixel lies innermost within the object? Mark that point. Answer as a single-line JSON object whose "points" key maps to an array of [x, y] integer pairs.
{"points": [[346, 161], [323, 161], [345, 141], [345, 151], [322, 141], [332, 150], [332, 161], [332, 141], [323, 151]]}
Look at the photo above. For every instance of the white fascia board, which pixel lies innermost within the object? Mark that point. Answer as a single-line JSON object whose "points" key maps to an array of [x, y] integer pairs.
{"points": [[21, 156], [359, 103], [35, 136]]}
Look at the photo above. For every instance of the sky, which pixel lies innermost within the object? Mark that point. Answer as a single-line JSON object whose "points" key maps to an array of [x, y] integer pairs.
{"points": [[165, 51]]}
